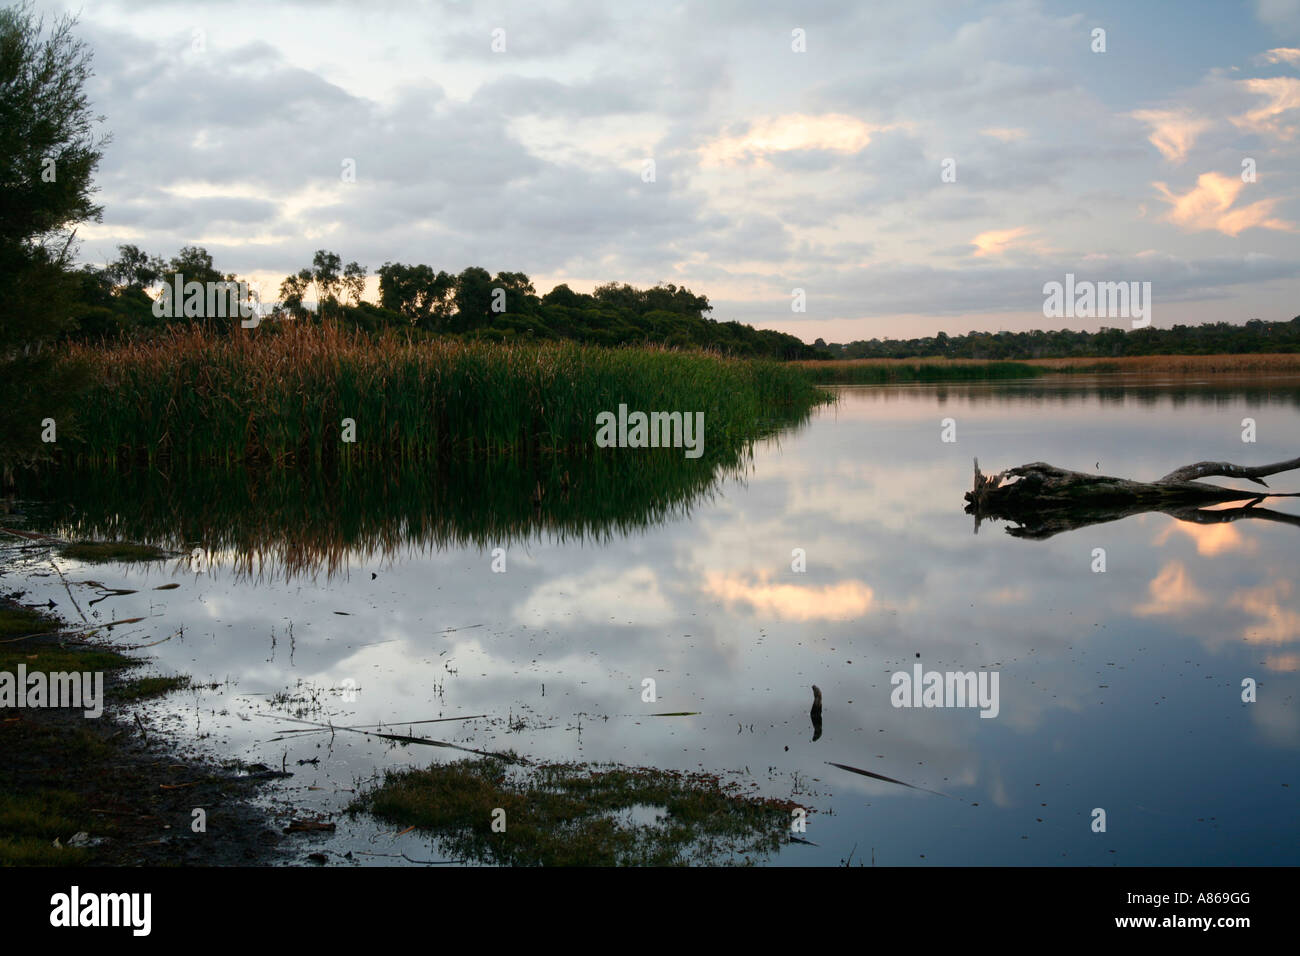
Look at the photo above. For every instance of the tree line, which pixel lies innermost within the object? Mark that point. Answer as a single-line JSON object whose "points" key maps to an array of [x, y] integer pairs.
{"points": [[114, 301], [1211, 338]]}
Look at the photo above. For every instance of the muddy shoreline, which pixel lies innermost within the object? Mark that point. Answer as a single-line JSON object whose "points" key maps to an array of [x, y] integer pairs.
{"points": [[116, 790]]}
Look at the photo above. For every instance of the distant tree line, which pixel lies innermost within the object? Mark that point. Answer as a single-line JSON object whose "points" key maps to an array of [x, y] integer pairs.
{"points": [[114, 301], [1212, 338]]}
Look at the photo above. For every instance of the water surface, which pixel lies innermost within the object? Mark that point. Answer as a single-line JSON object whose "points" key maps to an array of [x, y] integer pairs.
{"points": [[1119, 690]]}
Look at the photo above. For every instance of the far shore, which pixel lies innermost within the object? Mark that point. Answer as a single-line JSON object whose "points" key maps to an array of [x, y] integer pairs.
{"points": [[938, 369]]}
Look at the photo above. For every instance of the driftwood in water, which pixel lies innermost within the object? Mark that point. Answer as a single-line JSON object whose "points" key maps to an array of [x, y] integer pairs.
{"points": [[1045, 500]]}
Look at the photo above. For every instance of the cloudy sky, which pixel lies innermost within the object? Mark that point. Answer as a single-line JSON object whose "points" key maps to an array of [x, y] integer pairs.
{"points": [[775, 168]]}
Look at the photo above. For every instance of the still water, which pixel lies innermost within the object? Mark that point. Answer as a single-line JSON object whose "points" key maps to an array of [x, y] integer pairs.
{"points": [[1118, 690]]}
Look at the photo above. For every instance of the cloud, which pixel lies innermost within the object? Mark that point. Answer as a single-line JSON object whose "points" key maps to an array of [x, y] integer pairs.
{"points": [[1278, 624], [598, 96], [1282, 15], [1172, 131], [1288, 663], [985, 285], [1282, 55], [1208, 206], [1283, 95], [598, 596], [774, 169], [527, 31], [1172, 592], [834, 132], [997, 241], [1210, 539], [1006, 134], [836, 602]]}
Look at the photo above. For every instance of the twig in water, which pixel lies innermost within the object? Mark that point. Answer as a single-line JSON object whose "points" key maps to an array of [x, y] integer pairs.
{"points": [[878, 776], [55, 565], [399, 738], [136, 647]]}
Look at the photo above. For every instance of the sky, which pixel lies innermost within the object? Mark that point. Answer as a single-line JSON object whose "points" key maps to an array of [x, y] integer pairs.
{"points": [[910, 167]]}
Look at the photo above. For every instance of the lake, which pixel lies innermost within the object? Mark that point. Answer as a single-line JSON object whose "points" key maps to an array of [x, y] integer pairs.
{"points": [[1119, 690]]}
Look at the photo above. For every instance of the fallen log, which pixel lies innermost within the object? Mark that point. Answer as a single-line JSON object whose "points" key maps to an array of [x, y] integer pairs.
{"points": [[1046, 500]]}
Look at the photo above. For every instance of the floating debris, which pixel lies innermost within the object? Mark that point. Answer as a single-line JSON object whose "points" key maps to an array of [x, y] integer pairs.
{"points": [[310, 826], [878, 776]]}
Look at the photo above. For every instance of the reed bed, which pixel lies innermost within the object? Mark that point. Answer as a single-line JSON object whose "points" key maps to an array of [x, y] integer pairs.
{"points": [[266, 522], [1278, 363], [191, 398], [885, 371], [898, 371]]}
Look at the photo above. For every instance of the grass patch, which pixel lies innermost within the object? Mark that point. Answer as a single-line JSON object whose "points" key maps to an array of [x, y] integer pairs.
{"points": [[28, 851], [101, 552], [30, 823], [15, 621], [54, 813], [34, 813], [50, 658], [580, 814], [146, 687], [62, 774], [48, 654]]}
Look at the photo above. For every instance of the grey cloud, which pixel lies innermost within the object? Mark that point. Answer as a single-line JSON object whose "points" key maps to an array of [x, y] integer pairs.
{"points": [[542, 96], [892, 288]]}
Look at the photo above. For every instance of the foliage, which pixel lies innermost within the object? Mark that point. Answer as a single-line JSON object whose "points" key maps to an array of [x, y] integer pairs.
{"points": [[1212, 338], [280, 394], [48, 154], [580, 814]]}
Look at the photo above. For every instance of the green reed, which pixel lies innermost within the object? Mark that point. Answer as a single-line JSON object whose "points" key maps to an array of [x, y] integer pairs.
{"points": [[902, 371], [192, 398]]}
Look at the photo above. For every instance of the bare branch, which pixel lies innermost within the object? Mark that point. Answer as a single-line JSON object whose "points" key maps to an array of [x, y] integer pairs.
{"points": [[1203, 469]]}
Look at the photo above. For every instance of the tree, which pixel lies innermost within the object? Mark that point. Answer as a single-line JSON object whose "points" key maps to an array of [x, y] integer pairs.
{"points": [[521, 297], [136, 269], [354, 281], [564, 296], [48, 155], [325, 268], [416, 292], [619, 295], [473, 299], [292, 289], [194, 264]]}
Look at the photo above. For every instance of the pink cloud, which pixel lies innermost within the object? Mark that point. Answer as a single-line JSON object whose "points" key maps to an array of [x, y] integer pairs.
{"points": [[1208, 206], [1173, 132]]}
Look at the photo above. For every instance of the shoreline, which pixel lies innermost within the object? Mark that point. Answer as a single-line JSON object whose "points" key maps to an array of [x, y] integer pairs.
{"points": [[884, 371], [131, 797]]}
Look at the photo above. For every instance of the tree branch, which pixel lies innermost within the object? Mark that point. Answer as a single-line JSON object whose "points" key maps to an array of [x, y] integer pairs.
{"points": [[1046, 500], [1203, 469]]}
